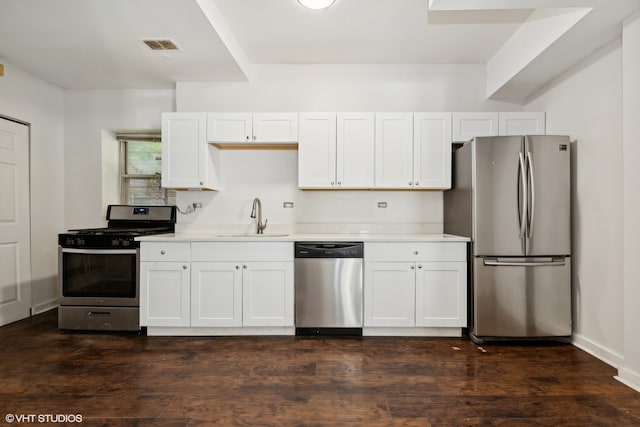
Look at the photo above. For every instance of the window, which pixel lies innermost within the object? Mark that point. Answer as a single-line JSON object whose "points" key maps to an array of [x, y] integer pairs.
{"points": [[140, 169]]}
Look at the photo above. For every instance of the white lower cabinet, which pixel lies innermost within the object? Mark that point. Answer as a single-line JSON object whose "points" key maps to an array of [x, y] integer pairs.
{"points": [[164, 284], [267, 294], [441, 289], [415, 285], [207, 290], [216, 294], [164, 293], [389, 294]]}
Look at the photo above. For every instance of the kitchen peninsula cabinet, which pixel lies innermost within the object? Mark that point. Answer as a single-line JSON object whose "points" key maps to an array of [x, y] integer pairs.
{"points": [[415, 285], [252, 128], [187, 160], [336, 151], [413, 151]]}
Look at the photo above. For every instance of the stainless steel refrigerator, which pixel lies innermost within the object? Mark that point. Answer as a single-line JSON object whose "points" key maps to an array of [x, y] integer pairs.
{"points": [[511, 196]]}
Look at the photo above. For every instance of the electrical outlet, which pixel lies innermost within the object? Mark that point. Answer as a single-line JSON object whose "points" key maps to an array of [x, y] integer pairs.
{"points": [[196, 205], [287, 205], [382, 204]]}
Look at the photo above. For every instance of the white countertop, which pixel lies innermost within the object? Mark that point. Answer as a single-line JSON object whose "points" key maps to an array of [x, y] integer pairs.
{"points": [[293, 237]]}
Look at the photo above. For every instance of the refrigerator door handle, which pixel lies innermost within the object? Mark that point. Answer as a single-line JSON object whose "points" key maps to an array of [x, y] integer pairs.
{"points": [[532, 186], [522, 196], [497, 263]]}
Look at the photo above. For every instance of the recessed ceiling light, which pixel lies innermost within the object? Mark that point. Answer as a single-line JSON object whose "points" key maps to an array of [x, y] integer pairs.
{"points": [[316, 4]]}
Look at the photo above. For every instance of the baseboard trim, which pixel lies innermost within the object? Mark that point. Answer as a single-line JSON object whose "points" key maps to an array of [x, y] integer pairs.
{"points": [[596, 350], [629, 378], [44, 306]]}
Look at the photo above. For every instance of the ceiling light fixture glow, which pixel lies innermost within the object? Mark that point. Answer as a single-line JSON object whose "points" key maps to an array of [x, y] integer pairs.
{"points": [[316, 4]]}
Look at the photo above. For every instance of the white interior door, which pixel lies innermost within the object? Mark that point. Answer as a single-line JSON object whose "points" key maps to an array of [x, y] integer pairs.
{"points": [[15, 251]]}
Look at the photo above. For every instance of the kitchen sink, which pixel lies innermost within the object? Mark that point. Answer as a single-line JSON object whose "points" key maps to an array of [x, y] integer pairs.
{"points": [[251, 235]]}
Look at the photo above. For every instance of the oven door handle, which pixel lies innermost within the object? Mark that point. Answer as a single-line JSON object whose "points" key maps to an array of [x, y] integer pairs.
{"points": [[100, 251]]}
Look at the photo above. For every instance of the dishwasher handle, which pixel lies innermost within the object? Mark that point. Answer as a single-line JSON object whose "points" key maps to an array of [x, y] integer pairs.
{"points": [[329, 249]]}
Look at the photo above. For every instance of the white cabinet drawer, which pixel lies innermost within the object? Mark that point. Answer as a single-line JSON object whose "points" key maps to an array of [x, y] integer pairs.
{"points": [[241, 251], [164, 251], [418, 251]]}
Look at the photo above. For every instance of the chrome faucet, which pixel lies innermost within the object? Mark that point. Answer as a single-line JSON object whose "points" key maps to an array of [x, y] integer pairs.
{"points": [[257, 207]]}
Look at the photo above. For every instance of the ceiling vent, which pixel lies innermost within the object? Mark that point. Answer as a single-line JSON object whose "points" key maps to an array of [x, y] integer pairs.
{"points": [[163, 45]]}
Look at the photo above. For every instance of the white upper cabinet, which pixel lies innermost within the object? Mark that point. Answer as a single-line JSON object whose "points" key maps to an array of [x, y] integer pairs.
{"points": [[469, 125], [522, 123], [355, 150], [317, 150], [336, 150], [229, 127], [432, 150], [394, 150], [258, 128], [413, 150], [186, 157]]}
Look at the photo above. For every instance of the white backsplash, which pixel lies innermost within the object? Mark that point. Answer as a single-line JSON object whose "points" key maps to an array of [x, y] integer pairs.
{"points": [[271, 175]]}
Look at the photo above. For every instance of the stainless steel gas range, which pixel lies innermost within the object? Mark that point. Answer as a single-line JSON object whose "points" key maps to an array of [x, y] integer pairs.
{"points": [[99, 283]]}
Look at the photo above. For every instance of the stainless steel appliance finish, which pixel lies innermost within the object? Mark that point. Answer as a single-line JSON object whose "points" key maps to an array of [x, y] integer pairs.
{"points": [[99, 283], [511, 196], [328, 288]]}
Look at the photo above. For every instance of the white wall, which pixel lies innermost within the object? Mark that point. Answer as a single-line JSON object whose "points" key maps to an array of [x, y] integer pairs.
{"points": [[87, 114], [273, 175], [585, 103], [31, 100], [630, 371]]}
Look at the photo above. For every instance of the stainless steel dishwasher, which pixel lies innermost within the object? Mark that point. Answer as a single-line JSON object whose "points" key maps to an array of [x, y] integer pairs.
{"points": [[328, 288]]}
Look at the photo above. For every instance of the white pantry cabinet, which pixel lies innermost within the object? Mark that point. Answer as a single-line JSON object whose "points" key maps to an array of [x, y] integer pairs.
{"points": [[187, 161], [254, 128], [413, 150], [164, 284], [522, 123], [415, 285], [336, 151]]}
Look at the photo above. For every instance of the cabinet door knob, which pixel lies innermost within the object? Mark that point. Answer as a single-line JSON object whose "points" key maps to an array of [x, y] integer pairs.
{"points": [[333, 183], [410, 183], [201, 183], [417, 183], [413, 267], [415, 252], [184, 267], [419, 265], [339, 183], [162, 252], [248, 137], [237, 267], [244, 266], [255, 137]]}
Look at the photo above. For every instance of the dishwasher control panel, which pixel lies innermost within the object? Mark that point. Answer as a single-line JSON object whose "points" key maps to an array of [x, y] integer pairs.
{"points": [[329, 249]]}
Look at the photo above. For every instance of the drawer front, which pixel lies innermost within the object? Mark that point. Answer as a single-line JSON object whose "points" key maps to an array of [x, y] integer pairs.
{"points": [[415, 251], [164, 251], [241, 251]]}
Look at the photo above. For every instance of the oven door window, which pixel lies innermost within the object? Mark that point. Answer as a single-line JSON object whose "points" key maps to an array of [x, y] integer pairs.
{"points": [[99, 275]]}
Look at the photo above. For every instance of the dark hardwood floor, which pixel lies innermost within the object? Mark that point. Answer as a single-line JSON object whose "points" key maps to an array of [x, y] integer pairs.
{"points": [[130, 380]]}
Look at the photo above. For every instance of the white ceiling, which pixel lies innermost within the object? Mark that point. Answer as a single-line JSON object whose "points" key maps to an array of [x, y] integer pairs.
{"points": [[95, 44]]}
